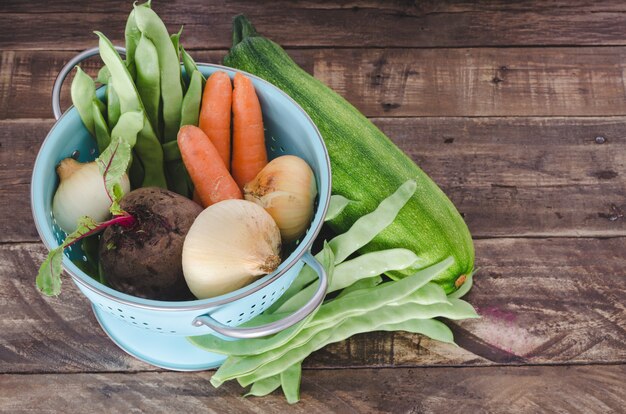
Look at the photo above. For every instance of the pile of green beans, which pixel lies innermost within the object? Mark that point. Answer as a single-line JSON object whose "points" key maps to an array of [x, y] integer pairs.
{"points": [[358, 300], [150, 82]]}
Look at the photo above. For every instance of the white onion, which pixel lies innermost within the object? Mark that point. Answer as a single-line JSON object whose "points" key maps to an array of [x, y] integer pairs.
{"points": [[81, 192], [229, 245]]}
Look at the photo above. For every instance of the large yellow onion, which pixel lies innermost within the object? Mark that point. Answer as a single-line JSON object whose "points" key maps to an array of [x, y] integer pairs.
{"points": [[286, 189], [229, 245]]}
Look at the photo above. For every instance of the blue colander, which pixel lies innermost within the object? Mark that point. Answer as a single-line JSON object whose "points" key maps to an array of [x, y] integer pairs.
{"points": [[155, 331]]}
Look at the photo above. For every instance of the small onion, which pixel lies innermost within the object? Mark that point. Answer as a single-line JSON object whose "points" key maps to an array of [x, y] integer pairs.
{"points": [[229, 245], [81, 192], [286, 189]]}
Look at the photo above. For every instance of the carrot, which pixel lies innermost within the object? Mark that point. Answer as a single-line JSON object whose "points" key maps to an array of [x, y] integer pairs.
{"points": [[249, 154], [211, 179], [215, 113]]}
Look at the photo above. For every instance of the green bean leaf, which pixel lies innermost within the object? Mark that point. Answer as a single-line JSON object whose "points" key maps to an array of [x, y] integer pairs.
{"points": [[290, 382], [369, 225], [336, 206]]}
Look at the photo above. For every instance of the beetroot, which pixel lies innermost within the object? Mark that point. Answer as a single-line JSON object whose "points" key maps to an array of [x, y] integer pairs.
{"points": [[145, 259]]}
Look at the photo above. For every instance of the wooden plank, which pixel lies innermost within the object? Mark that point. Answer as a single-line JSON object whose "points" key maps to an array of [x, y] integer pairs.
{"points": [[35, 25], [578, 389], [400, 82], [508, 176], [542, 301]]}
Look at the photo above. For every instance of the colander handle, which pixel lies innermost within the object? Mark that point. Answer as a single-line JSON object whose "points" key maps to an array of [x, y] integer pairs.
{"points": [[274, 327], [56, 89]]}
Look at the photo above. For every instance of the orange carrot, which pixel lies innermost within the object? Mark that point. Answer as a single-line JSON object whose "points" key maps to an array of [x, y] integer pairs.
{"points": [[249, 154], [196, 197], [215, 113], [210, 177]]}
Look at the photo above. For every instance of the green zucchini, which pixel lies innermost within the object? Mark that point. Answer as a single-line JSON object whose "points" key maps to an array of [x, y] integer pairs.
{"points": [[366, 166]]}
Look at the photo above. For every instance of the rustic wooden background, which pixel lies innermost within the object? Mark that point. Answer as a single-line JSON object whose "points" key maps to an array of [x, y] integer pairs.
{"points": [[518, 111]]}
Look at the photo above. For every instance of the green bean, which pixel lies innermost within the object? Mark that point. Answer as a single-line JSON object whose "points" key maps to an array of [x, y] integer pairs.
{"points": [[264, 386], [431, 328], [148, 79], [113, 106], [273, 362], [127, 128], [368, 301], [171, 89], [190, 65], [361, 232], [103, 75], [336, 206], [190, 111], [346, 273], [369, 225], [465, 287], [147, 147], [361, 284], [290, 382], [175, 38], [132, 34], [83, 93], [100, 126]]}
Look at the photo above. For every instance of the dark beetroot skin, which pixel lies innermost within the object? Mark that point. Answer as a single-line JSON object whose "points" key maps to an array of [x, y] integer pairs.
{"points": [[145, 260]]}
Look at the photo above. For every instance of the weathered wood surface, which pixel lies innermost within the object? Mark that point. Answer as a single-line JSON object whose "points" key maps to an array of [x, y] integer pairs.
{"points": [[398, 82], [327, 23], [542, 301], [586, 389], [510, 177], [528, 141]]}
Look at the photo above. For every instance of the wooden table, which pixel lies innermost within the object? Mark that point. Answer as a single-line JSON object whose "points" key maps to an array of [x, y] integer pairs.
{"points": [[518, 111]]}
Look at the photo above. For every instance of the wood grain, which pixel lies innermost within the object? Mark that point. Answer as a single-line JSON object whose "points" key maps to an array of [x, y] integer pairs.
{"points": [[327, 23], [541, 301], [399, 82], [508, 176], [588, 389]]}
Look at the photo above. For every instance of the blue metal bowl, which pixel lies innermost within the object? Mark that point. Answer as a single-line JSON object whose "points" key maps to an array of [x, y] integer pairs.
{"points": [[155, 331]]}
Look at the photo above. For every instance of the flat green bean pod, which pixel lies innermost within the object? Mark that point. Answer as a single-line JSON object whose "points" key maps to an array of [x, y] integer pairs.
{"points": [[332, 314], [384, 318], [360, 284], [83, 91], [190, 65], [190, 110], [290, 382], [264, 386], [148, 147], [103, 138], [113, 106], [369, 225], [132, 34], [336, 206], [153, 28], [346, 273], [148, 80]]}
